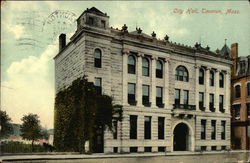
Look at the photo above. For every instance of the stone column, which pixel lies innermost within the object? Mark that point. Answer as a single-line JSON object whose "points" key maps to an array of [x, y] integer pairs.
{"points": [[140, 129], [166, 86], [138, 80], [216, 95], [153, 86], [124, 77], [196, 98], [207, 73]]}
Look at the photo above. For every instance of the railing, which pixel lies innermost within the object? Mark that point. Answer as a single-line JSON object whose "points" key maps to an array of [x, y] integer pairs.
{"points": [[147, 103], [202, 108], [222, 110], [184, 106], [132, 102], [212, 109], [160, 105]]}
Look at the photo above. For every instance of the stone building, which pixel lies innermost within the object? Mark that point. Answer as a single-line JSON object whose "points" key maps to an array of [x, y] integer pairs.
{"points": [[174, 97], [240, 99]]}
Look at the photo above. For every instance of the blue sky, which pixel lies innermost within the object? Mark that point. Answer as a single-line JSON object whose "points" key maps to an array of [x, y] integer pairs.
{"points": [[29, 41]]}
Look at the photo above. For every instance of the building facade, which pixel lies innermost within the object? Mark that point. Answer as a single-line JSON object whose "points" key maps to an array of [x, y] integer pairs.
{"points": [[174, 97], [240, 100]]}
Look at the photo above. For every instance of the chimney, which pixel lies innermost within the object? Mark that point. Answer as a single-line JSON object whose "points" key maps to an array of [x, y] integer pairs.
{"points": [[234, 53], [62, 41]]}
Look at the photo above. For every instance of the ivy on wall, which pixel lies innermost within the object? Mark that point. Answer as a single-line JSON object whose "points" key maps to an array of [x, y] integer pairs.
{"points": [[79, 111]]}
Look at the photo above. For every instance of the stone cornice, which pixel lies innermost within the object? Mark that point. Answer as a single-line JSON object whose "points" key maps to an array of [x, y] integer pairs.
{"points": [[171, 49]]}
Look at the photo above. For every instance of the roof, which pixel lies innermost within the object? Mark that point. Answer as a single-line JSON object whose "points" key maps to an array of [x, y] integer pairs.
{"points": [[95, 11], [143, 34], [225, 51]]}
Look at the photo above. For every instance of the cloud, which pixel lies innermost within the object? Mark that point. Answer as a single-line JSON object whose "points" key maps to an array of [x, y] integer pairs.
{"points": [[17, 30], [28, 90]]}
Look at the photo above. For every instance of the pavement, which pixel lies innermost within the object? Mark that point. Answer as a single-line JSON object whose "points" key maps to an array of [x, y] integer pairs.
{"points": [[156, 156]]}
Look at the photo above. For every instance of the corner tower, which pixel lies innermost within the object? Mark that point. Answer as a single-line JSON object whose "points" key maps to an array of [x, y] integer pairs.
{"points": [[93, 18]]}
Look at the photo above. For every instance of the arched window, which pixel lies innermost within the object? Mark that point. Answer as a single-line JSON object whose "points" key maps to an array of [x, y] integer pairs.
{"points": [[159, 69], [181, 74], [221, 80], [211, 78], [145, 66], [98, 58], [237, 91], [201, 76], [131, 64]]}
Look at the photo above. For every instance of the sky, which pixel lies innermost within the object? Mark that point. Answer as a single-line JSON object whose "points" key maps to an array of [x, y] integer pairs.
{"points": [[30, 29]]}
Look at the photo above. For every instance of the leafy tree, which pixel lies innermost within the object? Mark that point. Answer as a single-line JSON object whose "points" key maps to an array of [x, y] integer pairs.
{"points": [[31, 128], [6, 128], [79, 111], [45, 134]]}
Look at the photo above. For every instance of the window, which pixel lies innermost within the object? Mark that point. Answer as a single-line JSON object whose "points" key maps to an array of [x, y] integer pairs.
{"points": [[185, 97], [145, 67], [237, 91], [103, 24], [201, 76], [248, 89], [213, 129], [159, 96], [91, 21], [181, 74], [133, 127], [98, 85], [161, 149], [133, 149], [147, 149], [203, 148], [161, 127], [221, 102], [115, 129], [211, 78], [203, 129], [223, 147], [131, 64], [211, 102], [159, 69], [242, 67], [115, 149], [98, 58], [201, 101], [131, 93], [213, 148], [145, 94], [147, 127], [221, 80], [223, 130], [237, 111], [248, 110], [177, 96]]}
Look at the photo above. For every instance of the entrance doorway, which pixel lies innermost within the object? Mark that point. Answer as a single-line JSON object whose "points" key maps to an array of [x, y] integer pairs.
{"points": [[181, 137], [98, 142]]}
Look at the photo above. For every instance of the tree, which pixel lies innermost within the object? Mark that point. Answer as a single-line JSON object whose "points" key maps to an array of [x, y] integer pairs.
{"points": [[79, 111], [6, 128], [31, 128], [45, 134]]}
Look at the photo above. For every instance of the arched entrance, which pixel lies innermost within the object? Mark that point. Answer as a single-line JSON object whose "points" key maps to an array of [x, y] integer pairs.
{"points": [[181, 137]]}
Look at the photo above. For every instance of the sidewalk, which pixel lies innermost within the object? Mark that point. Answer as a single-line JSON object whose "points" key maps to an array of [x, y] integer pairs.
{"points": [[184, 155]]}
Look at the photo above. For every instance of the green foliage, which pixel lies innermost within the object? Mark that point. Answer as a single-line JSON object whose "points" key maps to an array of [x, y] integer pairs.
{"points": [[79, 111], [6, 128], [19, 147], [30, 128], [45, 134]]}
